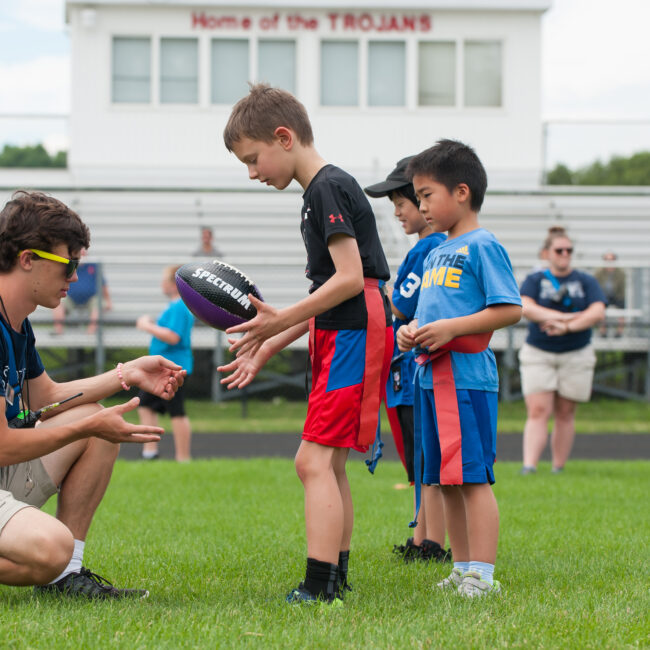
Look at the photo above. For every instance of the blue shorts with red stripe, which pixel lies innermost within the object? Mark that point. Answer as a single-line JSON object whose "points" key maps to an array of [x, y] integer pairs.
{"points": [[477, 410], [338, 370]]}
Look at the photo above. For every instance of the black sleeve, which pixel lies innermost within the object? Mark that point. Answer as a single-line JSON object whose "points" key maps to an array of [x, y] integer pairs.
{"points": [[330, 205]]}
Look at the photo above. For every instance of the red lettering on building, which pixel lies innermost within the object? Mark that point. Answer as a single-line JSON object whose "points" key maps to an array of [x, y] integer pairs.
{"points": [[206, 21], [349, 21], [296, 21], [365, 22], [382, 23], [269, 22]]}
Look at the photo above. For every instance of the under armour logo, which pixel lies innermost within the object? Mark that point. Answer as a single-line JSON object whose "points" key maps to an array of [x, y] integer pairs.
{"points": [[334, 218]]}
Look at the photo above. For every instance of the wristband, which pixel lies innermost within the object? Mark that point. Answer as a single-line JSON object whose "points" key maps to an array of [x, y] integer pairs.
{"points": [[120, 376]]}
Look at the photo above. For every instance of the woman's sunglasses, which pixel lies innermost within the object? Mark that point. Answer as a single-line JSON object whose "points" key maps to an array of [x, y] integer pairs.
{"points": [[70, 265], [559, 251]]}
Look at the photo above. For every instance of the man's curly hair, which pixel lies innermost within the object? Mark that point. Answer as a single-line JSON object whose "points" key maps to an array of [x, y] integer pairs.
{"points": [[36, 220]]}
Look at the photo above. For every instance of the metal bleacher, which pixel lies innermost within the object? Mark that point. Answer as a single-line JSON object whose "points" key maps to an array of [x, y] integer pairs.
{"points": [[136, 234]]}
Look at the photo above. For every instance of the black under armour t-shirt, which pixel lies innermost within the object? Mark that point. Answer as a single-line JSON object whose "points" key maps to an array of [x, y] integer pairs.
{"points": [[335, 203]]}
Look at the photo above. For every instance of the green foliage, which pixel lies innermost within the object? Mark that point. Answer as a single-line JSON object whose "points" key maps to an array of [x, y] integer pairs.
{"points": [[219, 543], [634, 170], [31, 156], [561, 175]]}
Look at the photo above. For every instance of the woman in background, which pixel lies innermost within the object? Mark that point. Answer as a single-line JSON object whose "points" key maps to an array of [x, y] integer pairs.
{"points": [[557, 360]]}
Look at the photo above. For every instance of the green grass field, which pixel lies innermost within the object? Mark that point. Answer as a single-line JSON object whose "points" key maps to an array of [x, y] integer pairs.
{"points": [[281, 416], [220, 542]]}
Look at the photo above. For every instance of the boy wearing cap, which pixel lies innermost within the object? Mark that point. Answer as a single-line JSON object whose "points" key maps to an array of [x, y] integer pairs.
{"points": [[429, 535]]}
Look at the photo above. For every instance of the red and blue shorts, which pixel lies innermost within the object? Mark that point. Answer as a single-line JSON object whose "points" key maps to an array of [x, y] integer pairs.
{"points": [[338, 372], [477, 410]]}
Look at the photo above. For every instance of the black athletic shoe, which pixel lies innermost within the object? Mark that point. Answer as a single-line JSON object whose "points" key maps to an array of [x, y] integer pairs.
{"points": [[303, 596], [431, 551], [342, 587], [89, 585], [409, 552]]}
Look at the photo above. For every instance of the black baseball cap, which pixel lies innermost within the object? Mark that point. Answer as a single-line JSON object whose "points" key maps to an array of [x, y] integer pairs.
{"points": [[396, 179]]}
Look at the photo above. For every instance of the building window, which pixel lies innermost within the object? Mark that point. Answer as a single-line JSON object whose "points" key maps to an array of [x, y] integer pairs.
{"points": [[483, 76], [437, 73], [339, 80], [386, 73], [276, 63], [230, 70], [179, 71], [131, 70]]}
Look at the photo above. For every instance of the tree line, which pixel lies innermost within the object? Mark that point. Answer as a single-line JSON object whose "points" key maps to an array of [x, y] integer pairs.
{"points": [[634, 170], [31, 156]]}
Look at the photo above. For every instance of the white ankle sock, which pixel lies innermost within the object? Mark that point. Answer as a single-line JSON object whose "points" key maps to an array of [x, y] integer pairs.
{"points": [[463, 566], [76, 561], [485, 570]]}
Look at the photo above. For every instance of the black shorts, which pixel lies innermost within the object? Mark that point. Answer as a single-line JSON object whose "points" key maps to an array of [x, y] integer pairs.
{"points": [[175, 407]]}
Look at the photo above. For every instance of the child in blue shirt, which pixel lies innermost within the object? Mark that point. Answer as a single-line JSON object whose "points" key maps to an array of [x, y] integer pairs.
{"points": [[468, 291], [429, 535], [171, 338]]}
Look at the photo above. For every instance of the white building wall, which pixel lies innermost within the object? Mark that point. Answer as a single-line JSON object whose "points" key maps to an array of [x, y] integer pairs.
{"points": [[181, 145]]}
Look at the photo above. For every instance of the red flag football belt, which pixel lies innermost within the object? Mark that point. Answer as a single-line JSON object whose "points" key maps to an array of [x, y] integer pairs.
{"points": [[444, 393]]}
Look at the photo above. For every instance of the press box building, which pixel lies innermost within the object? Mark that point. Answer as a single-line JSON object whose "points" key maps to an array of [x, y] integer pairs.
{"points": [[153, 83]]}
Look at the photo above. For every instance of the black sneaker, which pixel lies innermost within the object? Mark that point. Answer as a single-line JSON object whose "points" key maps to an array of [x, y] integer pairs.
{"points": [[342, 587], [303, 596], [431, 551], [90, 585], [409, 552]]}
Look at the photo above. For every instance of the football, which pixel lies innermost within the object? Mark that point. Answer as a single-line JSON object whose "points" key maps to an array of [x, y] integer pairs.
{"points": [[217, 293]]}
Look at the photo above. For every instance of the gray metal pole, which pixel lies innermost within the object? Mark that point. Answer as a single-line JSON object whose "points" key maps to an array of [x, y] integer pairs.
{"points": [[100, 351], [217, 360]]}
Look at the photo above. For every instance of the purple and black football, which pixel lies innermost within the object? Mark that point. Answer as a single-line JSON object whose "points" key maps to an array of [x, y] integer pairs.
{"points": [[217, 293]]}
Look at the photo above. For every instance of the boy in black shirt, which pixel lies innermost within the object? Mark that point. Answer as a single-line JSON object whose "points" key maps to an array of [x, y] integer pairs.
{"points": [[346, 313]]}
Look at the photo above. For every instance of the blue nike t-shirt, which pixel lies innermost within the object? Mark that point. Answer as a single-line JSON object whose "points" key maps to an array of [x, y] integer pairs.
{"points": [[463, 276]]}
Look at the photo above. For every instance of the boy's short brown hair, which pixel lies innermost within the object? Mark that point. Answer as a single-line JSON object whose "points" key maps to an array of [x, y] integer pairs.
{"points": [[36, 220], [262, 111]]}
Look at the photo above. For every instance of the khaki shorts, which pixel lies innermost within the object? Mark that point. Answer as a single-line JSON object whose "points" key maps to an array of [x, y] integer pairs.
{"points": [[570, 374], [23, 485]]}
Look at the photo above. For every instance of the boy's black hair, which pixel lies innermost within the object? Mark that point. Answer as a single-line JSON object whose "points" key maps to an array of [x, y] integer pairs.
{"points": [[405, 191], [451, 163], [36, 220]]}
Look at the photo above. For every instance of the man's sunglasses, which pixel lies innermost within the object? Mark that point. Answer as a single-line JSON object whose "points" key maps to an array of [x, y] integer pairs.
{"points": [[559, 251], [70, 265]]}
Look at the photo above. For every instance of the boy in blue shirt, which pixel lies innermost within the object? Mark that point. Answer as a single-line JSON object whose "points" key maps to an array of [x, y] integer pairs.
{"points": [[468, 291], [171, 338], [429, 535]]}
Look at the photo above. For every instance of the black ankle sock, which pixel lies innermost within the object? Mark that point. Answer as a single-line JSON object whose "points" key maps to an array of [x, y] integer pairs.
{"points": [[344, 557], [321, 578], [430, 543]]}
